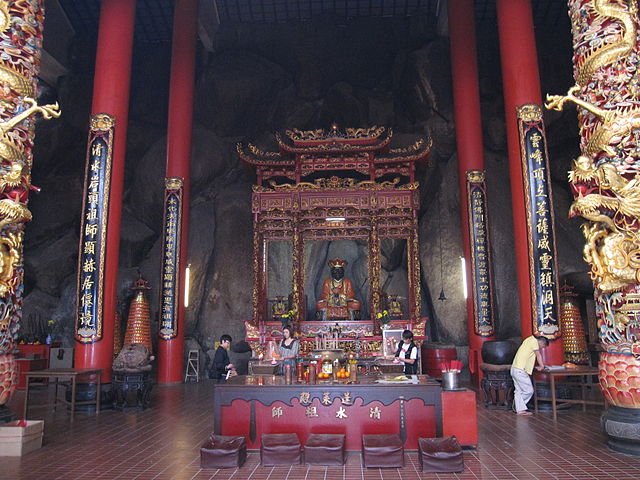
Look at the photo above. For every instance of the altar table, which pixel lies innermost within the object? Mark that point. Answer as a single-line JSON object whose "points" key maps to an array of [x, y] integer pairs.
{"points": [[257, 404], [568, 372], [70, 374]]}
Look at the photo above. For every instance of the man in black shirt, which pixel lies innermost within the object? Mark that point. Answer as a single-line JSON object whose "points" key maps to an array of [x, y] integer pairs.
{"points": [[221, 363]]}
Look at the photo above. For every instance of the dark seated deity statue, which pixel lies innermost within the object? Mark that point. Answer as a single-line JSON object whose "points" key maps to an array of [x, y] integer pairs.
{"points": [[337, 300]]}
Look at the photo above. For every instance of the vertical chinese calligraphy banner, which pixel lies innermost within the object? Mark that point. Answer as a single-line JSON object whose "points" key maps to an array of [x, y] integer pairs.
{"points": [[482, 285], [540, 225], [170, 296], [93, 232]]}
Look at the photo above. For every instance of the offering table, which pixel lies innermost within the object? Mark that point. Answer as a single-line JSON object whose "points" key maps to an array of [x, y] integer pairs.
{"points": [[583, 373], [257, 404]]}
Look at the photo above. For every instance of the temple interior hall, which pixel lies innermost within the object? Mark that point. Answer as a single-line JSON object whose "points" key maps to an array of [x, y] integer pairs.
{"points": [[319, 239]]}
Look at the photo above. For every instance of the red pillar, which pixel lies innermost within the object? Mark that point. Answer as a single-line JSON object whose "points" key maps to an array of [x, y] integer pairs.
{"points": [[181, 93], [521, 85], [466, 100], [111, 95]]}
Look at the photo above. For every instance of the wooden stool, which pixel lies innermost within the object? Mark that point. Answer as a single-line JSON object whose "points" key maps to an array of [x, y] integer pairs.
{"points": [[440, 455], [385, 451], [223, 452], [279, 449], [324, 449]]}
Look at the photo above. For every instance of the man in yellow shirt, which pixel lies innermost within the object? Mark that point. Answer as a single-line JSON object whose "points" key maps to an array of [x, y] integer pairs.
{"points": [[522, 368]]}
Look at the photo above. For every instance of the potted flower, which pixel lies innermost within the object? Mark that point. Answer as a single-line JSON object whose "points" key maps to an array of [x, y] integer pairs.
{"points": [[384, 319], [287, 319]]}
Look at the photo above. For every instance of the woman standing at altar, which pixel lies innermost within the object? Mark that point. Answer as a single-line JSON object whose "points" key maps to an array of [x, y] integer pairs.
{"points": [[407, 353], [289, 348]]}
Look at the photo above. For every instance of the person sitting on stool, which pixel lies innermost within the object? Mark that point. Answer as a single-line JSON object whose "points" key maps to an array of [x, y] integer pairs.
{"points": [[222, 366], [522, 368], [407, 353]]}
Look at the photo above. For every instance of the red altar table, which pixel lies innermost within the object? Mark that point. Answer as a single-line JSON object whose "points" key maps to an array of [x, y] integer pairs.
{"points": [[253, 405], [28, 350]]}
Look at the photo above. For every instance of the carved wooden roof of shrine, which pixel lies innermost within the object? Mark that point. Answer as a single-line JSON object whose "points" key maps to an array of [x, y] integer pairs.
{"points": [[364, 143]]}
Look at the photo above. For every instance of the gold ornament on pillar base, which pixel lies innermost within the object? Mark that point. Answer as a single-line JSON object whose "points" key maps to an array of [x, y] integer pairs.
{"points": [[573, 334], [139, 321]]}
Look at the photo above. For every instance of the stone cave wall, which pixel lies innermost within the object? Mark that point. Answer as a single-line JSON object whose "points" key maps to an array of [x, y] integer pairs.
{"points": [[264, 79]]}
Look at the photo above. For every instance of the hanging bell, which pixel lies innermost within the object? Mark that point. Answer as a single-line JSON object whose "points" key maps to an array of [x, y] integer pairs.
{"points": [[442, 296]]}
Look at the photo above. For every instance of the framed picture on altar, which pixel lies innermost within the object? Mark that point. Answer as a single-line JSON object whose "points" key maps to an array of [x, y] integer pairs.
{"points": [[390, 341]]}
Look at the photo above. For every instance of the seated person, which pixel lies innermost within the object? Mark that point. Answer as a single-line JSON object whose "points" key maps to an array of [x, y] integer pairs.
{"points": [[338, 296], [221, 363]]}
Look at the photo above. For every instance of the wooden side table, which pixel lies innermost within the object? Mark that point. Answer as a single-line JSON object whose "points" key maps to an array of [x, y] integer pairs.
{"points": [[26, 365], [566, 372], [70, 374]]}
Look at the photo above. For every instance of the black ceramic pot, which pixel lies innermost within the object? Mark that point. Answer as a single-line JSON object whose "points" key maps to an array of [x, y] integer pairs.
{"points": [[499, 352]]}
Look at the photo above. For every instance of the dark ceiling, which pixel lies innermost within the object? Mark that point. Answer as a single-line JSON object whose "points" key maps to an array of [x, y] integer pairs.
{"points": [[154, 17]]}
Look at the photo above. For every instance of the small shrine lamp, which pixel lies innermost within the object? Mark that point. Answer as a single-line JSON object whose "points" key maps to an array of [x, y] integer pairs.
{"points": [[442, 297]]}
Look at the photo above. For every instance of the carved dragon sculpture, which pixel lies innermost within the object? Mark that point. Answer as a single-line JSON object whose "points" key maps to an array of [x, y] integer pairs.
{"points": [[605, 179], [605, 54], [11, 176], [603, 194], [615, 124]]}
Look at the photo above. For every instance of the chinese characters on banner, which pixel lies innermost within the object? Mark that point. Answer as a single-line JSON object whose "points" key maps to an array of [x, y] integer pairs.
{"points": [[91, 257], [170, 257], [540, 225], [482, 286]]}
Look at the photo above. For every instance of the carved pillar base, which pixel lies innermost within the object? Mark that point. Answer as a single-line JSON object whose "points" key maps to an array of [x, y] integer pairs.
{"points": [[622, 427]]}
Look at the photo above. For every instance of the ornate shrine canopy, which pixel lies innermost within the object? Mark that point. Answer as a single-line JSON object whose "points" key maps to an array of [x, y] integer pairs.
{"points": [[304, 154], [335, 185]]}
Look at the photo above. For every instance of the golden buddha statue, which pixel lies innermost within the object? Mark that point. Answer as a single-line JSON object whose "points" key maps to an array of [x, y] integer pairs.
{"points": [[337, 300]]}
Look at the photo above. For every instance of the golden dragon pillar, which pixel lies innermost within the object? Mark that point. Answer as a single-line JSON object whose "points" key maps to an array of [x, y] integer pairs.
{"points": [[605, 182], [21, 23]]}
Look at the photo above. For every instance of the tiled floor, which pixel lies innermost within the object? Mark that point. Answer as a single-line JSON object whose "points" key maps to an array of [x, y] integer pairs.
{"points": [[163, 443]]}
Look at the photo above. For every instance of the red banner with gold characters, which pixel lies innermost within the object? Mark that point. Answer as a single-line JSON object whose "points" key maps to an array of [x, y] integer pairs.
{"points": [[169, 296], [540, 224], [482, 285], [93, 230]]}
